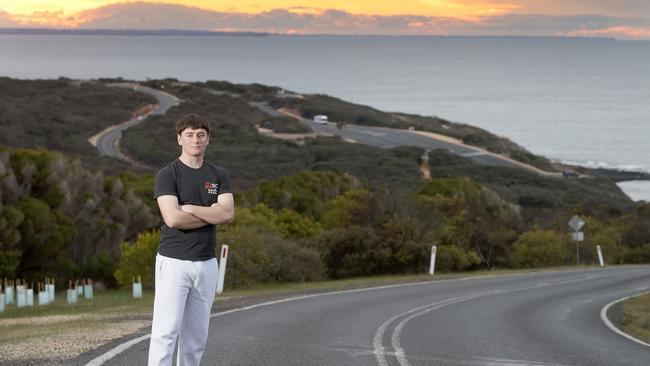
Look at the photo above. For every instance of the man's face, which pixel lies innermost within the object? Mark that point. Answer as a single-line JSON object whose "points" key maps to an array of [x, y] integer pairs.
{"points": [[194, 142]]}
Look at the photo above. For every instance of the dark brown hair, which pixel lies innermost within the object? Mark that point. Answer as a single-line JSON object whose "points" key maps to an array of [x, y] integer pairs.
{"points": [[192, 121]]}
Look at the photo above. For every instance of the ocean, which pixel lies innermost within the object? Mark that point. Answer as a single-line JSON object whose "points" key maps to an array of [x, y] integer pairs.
{"points": [[580, 101]]}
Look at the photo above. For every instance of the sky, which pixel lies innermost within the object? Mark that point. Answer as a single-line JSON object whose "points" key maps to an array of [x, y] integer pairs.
{"points": [[623, 19]]}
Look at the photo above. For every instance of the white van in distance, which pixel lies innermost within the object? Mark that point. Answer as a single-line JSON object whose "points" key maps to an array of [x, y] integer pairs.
{"points": [[320, 118]]}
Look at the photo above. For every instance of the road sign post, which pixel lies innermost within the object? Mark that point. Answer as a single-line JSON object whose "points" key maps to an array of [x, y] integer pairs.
{"points": [[576, 223]]}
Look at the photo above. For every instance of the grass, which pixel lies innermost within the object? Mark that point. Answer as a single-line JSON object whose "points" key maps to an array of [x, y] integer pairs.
{"points": [[636, 317]]}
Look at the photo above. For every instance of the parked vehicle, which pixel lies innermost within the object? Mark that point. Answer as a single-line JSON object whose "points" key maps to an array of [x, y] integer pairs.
{"points": [[321, 119]]}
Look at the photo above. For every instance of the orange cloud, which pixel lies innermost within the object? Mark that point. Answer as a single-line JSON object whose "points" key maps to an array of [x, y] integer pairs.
{"points": [[454, 8], [313, 20]]}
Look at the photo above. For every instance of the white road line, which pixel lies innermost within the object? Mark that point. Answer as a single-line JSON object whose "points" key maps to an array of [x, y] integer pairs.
{"points": [[615, 329], [117, 350], [100, 360], [126, 345], [397, 331], [377, 342]]}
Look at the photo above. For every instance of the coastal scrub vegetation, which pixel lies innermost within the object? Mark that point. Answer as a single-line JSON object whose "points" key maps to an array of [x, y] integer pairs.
{"points": [[63, 114], [60, 220], [326, 225]]}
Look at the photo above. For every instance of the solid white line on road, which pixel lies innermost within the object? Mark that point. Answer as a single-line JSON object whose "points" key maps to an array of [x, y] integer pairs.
{"points": [[124, 346], [377, 342], [395, 338], [117, 350], [615, 329]]}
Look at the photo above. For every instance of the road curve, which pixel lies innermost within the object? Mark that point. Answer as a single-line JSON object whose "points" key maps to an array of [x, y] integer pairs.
{"points": [[387, 138], [544, 318], [107, 140]]}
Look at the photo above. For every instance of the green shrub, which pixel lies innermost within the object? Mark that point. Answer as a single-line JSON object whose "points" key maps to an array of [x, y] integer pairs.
{"points": [[100, 267], [354, 251], [138, 259], [261, 250], [541, 248], [638, 255], [450, 258]]}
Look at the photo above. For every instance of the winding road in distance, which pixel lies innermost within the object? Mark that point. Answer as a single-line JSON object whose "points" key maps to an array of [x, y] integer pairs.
{"points": [[534, 319], [106, 141]]}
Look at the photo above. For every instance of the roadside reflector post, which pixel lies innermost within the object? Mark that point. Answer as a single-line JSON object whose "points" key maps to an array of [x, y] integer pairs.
{"points": [[223, 261], [600, 255], [80, 289], [137, 288], [432, 265]]}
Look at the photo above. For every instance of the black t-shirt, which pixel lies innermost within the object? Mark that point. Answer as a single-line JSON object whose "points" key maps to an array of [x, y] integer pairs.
{"points": [[194, 187]]}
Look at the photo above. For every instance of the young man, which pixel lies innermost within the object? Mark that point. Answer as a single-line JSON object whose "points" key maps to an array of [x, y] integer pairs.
{"points": [[194, 196]]}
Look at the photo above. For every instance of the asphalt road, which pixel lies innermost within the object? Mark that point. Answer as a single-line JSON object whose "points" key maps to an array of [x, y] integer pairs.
{"points": [[387, 138], [550, 318], [107, 143]]}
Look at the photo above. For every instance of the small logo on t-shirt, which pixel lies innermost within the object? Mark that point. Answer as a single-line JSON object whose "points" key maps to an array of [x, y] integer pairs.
{"points": [[212, 188]]}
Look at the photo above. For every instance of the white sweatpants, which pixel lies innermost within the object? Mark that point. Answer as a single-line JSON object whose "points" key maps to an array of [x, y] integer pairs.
{"points": [[184, 294]]}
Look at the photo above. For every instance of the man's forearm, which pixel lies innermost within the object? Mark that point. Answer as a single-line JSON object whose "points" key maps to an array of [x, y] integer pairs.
{"points": [[215, 214], [186, 221]]}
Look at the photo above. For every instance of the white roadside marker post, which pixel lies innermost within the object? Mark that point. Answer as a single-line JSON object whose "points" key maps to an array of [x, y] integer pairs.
{"points": [[432, 264], [600, 256], [222, 268]]}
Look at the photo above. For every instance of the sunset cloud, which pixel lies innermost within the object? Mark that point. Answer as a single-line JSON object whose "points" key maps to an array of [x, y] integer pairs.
{"points": [[613, 32], [312, 20]]}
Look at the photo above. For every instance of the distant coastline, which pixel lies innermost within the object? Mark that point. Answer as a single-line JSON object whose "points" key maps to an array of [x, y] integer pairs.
{"points": [[203, 33], [124, 32]]}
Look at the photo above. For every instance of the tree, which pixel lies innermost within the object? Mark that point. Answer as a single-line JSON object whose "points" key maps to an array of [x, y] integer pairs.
{"points": [[46, 235]]}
